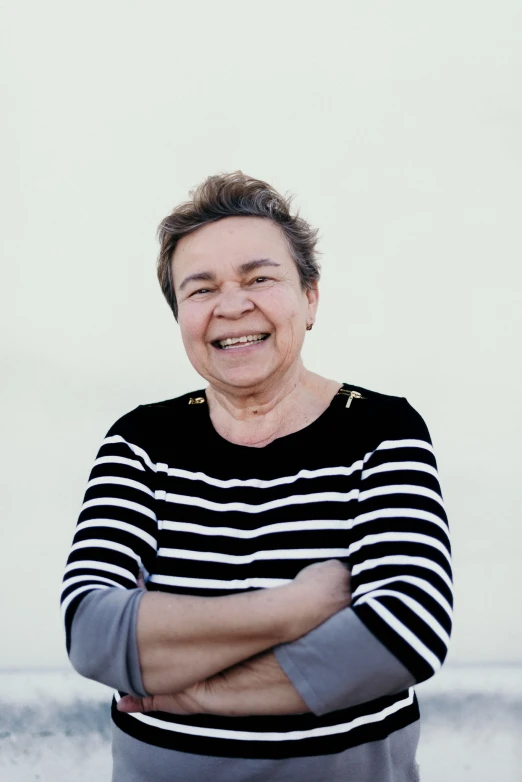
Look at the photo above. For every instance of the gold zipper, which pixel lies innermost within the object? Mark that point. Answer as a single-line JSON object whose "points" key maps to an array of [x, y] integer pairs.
{"points": [[351, 395], [198, 400]]}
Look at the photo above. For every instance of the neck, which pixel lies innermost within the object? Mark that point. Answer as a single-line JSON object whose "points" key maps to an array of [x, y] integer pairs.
{"points": [[257, 416]]}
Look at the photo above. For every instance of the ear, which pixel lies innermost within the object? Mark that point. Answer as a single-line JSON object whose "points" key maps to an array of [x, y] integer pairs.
{"points": [[312, 295]]}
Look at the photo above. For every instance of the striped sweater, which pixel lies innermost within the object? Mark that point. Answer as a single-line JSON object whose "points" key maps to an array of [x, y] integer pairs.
{"points": [[203, 516]]}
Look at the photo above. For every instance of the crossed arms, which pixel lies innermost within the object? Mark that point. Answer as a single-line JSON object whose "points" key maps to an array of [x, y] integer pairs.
{"points": [[213, 655]]}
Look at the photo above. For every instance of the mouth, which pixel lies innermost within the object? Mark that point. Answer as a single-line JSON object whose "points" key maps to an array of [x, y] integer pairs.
{"points": [[233, 343]]}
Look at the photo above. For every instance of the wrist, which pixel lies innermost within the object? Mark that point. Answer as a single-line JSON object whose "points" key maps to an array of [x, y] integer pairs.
{"points": [[295, 616]]}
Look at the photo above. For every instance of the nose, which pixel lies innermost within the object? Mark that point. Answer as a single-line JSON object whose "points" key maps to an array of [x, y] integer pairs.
{"points": [[233, 303]]}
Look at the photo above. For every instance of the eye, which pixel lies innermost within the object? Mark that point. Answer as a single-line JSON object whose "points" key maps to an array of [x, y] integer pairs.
{"points": [[260, 279], [201, 290]]}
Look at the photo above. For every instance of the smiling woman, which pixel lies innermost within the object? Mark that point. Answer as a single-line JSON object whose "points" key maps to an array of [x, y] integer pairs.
{"points": [[261, 568]]}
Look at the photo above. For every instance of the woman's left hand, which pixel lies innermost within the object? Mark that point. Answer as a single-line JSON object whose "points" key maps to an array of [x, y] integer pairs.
{"points": [[190, 701], [254, 687]]}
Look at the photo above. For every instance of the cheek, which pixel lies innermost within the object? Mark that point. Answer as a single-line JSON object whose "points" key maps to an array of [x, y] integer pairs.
{"points": [[290, 321], [192, 332], [284, 307], [290, 316]]}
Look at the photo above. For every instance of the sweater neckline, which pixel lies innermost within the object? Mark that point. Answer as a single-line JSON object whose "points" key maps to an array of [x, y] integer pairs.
{"points": [[291, 440]]}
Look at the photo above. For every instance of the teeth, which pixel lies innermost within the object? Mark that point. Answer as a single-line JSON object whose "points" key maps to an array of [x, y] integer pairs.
{"points": [[225, 343]]}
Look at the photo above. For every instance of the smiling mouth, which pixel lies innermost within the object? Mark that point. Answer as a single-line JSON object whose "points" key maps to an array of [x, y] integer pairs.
{"points": [[232, 343]]}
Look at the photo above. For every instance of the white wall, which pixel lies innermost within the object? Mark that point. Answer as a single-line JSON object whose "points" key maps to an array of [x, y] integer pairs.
{"points": [[397, 126]]}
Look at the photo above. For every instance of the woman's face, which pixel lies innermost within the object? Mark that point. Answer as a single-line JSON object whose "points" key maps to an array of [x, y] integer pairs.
{"points": [[235, 279]]}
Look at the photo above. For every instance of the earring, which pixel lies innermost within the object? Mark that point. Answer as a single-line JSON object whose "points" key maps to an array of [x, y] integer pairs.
{"points": [[309, 327]]}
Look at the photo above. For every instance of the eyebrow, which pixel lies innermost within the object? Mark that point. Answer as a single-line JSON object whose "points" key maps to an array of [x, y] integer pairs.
{"points": [[244, 268]]}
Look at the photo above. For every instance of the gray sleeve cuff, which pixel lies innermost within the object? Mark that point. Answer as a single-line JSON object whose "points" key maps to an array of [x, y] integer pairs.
{"points": [[341, 664], [103, 639]]}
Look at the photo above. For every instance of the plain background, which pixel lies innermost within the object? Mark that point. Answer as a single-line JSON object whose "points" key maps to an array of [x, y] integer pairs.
{"points": [[397, 125]]}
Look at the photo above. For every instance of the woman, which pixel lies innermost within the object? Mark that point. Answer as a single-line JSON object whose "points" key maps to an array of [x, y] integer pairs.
{"points": [[290, 529]]}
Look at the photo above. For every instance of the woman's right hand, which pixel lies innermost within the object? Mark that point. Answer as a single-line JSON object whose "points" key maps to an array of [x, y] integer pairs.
{"points": [[322, 590]]}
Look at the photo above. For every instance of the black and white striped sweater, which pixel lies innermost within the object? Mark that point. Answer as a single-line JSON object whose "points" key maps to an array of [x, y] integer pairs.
{"points": [[204, 516]]}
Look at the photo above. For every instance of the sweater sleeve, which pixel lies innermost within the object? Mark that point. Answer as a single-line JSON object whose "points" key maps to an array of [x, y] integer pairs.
{"points": [[397, 629], [115, 538]]}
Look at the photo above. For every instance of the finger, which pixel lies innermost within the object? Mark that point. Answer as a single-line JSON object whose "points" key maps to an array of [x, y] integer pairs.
{"points": [[130, 704]]}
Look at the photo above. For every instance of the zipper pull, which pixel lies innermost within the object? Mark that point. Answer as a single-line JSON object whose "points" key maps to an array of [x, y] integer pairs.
{"points": [[353, 395]]}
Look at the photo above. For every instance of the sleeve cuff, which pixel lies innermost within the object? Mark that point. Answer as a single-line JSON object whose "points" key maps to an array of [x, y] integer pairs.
{"points": [[341, 664], [103, 639]]}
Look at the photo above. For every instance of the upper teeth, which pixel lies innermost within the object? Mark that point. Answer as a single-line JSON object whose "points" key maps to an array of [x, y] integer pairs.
{"points": [[234, 340]]}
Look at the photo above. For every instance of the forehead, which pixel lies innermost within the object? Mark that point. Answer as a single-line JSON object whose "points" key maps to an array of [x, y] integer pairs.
{"points": [[232, 240]]}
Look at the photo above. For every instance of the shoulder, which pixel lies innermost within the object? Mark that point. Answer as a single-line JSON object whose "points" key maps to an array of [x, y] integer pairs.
{"points": [[388, 417], [148, 420]]}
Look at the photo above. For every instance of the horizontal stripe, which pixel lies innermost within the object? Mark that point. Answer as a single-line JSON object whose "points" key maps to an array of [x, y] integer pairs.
{"points": [[291, 735], [406, 466], [123, 526], [413, 605], [271, 554], [407, 513], [414, 580], [91, 578], [397, 559], [107, 544], [210, 583], [399, 537], [301, 526], [380, 491], [247, 534], [119, 503], [387, 445], [243, 507], [258, 483], [119, 460], [117, 481], [116, 438], [163, 467], [105, 567], [405, 633]]}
